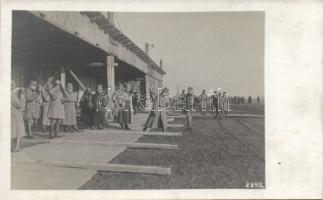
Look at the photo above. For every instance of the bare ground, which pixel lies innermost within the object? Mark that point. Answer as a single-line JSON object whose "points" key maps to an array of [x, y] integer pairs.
{"points": [[210, 156]]}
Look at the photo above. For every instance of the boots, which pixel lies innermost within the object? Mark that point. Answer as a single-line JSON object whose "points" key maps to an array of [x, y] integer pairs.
{"points": [[56, 130], [51, 131]]}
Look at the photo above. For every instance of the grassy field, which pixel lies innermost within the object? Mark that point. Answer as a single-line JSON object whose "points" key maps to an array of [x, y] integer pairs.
{"points": [[213, 155], [248, 108]]}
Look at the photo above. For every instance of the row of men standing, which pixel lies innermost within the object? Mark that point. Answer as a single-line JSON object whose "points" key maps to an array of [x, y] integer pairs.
{"points": [[217, 103], [54, 105], [95, 107]]}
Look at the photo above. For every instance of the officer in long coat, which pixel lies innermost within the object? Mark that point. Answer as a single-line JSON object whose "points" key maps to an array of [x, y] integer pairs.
{"points": [[33, 103], [56, 111], [87, 107], [99, 101], [157, 116], [70, 101], [124, 102], [17, 121]]}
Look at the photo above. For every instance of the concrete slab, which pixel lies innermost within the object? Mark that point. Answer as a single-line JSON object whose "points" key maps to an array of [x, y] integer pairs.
{"points": [[35, 177], [45, 177]]}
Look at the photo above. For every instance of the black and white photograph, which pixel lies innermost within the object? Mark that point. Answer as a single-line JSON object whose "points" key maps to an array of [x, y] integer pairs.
{"points": [[99, 103], [105, 99]]}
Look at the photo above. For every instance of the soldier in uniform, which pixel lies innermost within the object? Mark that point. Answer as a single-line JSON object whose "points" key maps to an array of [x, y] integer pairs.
{"points": [[225, 102], [215, 103], [70, 101], [87, 108], [157, 116], [124, 100], [119, 90], [33, 103], [45, 105], [17, 121], [135, 100], [56, 111], [203, 102], [99, 101], [188, 110], [220, 106]]}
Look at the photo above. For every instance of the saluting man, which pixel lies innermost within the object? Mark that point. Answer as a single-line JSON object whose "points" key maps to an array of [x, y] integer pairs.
{"points": [[33, 103], [70, 101], [56, 111], [45, 106]]}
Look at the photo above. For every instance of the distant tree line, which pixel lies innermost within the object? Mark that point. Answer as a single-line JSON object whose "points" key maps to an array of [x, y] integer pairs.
{"points": [[243, 99]]}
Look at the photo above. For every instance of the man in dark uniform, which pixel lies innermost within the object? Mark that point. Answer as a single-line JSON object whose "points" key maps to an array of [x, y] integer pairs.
{"points": [[100, 102], [215, 103], [87, 107]]}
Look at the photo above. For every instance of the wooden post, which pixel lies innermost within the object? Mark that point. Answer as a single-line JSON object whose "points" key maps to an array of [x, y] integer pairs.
{"points": [[63, 77], [147, 86], [110, 74]]}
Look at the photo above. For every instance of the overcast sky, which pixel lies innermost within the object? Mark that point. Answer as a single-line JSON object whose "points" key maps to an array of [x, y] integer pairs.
{"points": [[203, 50]]}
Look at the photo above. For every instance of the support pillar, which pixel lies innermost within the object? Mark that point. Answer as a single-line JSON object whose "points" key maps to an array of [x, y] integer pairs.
{"points": [[63, 77], [147, 86], [110, 84], [110, 75]]}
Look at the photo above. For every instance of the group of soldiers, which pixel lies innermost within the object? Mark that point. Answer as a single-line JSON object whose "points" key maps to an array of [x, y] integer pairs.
{"points": [[55, 106], [217, 103]]}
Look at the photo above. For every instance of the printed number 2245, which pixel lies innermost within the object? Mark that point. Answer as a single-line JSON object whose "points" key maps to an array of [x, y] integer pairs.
{"points": [[255, 185]]}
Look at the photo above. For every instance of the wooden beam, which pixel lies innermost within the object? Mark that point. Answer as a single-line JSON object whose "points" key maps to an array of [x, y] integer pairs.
{"points": [[245, 115], [144, 133], [177, 116], [99, 166], [175, 125], [126, 144], [170, 119]]}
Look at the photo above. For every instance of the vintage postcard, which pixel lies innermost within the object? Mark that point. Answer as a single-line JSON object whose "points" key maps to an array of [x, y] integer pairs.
{"points": [[161, 100]]}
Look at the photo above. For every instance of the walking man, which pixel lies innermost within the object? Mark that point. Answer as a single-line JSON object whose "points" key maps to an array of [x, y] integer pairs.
{"points": [[157, 116]]}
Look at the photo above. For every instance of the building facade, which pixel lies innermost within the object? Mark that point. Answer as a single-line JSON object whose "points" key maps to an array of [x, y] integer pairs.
{"points": [[47, 43]]}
